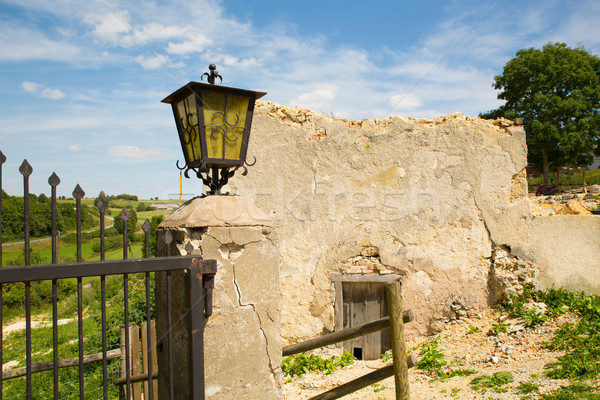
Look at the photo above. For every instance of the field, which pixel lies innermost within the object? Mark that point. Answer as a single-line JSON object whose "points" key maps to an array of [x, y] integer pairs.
{"points": [[574, 180]]}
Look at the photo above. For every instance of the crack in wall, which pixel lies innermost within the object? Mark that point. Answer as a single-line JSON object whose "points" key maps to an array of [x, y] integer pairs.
{"points": [[239, 295]]}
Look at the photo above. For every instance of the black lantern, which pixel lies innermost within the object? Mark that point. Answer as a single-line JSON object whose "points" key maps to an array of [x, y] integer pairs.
{"points": [[213, 123]]}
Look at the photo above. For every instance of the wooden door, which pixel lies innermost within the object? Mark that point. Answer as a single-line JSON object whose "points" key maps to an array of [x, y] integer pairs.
{"points": [[365, 302]]}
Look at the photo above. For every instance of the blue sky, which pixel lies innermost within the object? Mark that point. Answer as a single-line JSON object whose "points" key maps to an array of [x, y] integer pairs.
{"points": [[81, 81]]}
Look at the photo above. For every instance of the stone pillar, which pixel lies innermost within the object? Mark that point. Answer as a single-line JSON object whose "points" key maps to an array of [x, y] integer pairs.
{"points": [[242, 339]]}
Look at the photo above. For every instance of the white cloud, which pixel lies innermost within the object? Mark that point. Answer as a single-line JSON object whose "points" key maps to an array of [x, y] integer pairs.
{"points": [[136, 152], [54, 94], [196, 44], [405, 101], [153, 62], [319, 99], [110, 27], [47, 93], [23, 44], [75, 147], [31, 87]]}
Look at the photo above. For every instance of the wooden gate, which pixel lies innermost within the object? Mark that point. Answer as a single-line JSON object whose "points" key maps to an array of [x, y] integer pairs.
{"points": [[361, 298]]}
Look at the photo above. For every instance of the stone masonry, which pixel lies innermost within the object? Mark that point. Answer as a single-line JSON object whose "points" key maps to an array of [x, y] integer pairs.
{"points": [[242, 338]]}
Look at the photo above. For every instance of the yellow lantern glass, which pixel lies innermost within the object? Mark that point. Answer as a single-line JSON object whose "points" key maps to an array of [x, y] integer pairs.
{"points": [[186, 115], [225, 124]]}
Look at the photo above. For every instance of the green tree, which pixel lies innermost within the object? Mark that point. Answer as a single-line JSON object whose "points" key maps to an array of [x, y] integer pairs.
{"points": [[556, 92], [141, 207]]}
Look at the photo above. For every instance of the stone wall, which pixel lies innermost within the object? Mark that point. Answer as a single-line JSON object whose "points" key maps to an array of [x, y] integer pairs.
{"points": [[432, 200], [566, 249], [242, 337]]}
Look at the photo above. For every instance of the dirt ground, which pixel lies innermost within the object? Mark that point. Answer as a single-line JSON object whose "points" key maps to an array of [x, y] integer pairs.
{"points": [[519, 352]]}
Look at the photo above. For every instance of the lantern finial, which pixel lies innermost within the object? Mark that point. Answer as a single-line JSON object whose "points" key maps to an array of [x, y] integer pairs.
{"points": [[213, 74]]}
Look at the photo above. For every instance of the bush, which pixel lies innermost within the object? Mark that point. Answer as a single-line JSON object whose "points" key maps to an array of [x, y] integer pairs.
{"points": [[110, 243]]}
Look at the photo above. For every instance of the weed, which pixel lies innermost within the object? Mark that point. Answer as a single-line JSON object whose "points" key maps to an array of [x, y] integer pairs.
{"points": [[456, 372], [574, 391], [378, 388], [499, 327], [473, 329], [494, 382], [431, 358], [387, 356], [528, 387], [300, 364]]}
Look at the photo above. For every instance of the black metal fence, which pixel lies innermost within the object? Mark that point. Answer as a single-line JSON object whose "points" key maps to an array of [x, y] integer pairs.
{"points": [[107, 294]]}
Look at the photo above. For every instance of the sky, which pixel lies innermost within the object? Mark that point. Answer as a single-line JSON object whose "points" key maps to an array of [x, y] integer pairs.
{"points": [[81, 81]]}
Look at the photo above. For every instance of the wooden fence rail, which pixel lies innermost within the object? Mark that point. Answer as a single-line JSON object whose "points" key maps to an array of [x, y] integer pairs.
{"points": [[344, 334], [69, 362], [402, 363]]}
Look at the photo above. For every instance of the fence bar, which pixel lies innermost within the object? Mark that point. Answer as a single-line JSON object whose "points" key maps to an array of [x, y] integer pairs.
{"points": [[104, 344], [394, 299], [1, 324], [2, 161], [344, 334], [126, 317], [125, 215], [146, 227], [149, 393], [196, 335], [102, 204], [53, 180], [95, 268], [26, 171], [78, 194], [364, 381], [55, 336], [170, 336], [28, 337], [80, 333]]}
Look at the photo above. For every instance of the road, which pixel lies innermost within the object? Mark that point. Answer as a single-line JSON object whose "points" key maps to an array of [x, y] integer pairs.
{"points": [[49, 238]]}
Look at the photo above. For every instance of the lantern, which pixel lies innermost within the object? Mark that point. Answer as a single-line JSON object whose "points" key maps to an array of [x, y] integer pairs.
{"points": [[213, 123]]}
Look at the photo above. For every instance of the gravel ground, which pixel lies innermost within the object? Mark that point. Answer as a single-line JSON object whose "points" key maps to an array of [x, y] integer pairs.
{"points": [[519, 352]]}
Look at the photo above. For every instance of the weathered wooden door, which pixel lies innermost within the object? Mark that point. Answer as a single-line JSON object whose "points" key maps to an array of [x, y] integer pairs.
{"points": [[365, 302]]}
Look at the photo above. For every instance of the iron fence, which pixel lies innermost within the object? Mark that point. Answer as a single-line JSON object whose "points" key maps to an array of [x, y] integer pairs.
{"points": [[94, 278]]}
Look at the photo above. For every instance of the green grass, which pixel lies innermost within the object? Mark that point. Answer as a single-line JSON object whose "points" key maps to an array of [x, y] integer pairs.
{"points": [[300, 364], [591, 178], [14, 343]]}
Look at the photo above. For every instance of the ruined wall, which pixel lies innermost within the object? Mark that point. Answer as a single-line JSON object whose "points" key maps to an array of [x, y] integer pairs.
{"points": [[566, 249], [432, 200]]}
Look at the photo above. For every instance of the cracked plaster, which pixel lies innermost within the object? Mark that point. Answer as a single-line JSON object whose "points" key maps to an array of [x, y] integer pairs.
{"points": [[436, 196]]}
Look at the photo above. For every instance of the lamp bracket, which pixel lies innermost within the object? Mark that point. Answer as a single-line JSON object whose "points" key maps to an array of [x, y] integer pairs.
{"points": [[215, 178]]}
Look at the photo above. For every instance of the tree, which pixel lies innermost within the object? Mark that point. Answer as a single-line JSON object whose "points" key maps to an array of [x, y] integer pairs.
{"points": [[556, 91], [131, 224], [141, 207]]}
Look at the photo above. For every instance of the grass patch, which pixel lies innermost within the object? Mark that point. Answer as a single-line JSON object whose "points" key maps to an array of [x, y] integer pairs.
{"points": [[494, 382], [300, 364]]}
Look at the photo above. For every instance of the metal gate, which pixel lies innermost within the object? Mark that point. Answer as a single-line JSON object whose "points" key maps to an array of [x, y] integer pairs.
{"points": [[98, 310]]}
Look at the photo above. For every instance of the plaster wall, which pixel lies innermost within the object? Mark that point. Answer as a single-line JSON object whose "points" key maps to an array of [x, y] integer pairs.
{"points": [[566, 249], [427, 199]]}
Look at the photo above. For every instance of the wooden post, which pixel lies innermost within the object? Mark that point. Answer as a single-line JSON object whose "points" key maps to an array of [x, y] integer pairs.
{"points": [[134, 338], [145, 357], [122, 364], [393, 291]]}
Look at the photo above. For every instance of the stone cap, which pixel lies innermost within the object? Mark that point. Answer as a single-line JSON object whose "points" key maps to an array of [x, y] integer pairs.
{"points": [[217, 211]]}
